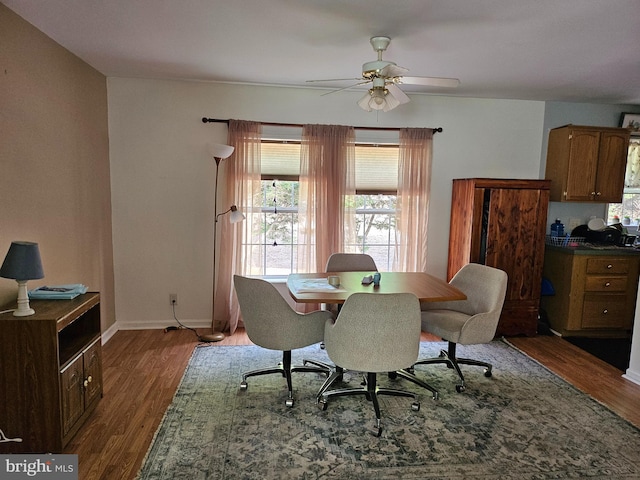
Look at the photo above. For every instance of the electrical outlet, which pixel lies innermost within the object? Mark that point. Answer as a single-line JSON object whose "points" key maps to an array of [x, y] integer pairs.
{"points": [[173, 298]]}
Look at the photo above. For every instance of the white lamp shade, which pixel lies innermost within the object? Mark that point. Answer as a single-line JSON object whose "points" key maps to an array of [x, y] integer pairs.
{"points": [[221, 151], [236, 215]]}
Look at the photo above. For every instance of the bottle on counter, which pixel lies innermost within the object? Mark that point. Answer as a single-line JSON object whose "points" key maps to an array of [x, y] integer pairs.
{"points": [[557, 228]]}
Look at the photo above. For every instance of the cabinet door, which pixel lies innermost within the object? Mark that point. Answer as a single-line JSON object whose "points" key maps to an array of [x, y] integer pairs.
{"points": [[583, 165], [93, 372], [611, 166], [515, 234], [71, 381]]}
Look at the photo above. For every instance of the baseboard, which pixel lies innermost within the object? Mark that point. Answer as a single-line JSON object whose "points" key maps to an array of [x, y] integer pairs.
{"points": [[632, 376], [160, 324]]}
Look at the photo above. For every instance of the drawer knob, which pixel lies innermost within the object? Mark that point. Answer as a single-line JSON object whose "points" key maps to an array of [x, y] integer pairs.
{"points": [[609, 266], [88, 380], [605, 311], [607, 284]]}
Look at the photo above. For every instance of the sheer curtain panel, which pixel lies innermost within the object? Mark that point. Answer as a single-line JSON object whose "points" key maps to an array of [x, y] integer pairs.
{"points": [[242, 181], [412, 209]]}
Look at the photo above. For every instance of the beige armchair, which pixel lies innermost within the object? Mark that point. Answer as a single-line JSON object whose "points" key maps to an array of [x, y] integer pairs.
{"points": [[374, 333], [271, 323], [470, 321]]}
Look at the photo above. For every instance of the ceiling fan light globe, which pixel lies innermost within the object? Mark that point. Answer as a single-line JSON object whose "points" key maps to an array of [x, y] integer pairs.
{"points": [[363, 103], [378, 100]]}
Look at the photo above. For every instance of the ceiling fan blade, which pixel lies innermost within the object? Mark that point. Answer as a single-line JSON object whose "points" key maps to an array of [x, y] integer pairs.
{"points": [[397, 93], [334, 80], [345, 88], [431, 81], [393, 70]]}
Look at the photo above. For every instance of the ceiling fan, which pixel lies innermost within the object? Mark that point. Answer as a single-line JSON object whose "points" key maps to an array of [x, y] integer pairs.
{"points": [[385, 76]]}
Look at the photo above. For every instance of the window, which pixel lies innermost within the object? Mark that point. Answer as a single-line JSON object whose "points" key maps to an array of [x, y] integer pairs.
{"points": [[376, 186], [628, 212]]}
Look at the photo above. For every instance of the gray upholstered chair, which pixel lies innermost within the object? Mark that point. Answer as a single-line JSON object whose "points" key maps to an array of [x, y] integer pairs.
{"points": [[348, 262], [351, 262], [374, 333], [467, 322], [271, 323]]}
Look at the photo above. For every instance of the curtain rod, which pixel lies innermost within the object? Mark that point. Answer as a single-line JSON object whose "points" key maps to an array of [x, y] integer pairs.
{"points": [[272, 124]]}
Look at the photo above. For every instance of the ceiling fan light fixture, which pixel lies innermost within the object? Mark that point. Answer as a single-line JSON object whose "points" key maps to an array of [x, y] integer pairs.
{"points": [[378, 98]]}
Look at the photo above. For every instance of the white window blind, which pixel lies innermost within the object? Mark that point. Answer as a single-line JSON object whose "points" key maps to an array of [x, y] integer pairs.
{"points": [[376, 166]]}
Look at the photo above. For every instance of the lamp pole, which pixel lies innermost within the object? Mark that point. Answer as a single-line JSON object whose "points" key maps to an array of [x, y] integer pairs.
{"points": [[214, 336], [220, 152]]}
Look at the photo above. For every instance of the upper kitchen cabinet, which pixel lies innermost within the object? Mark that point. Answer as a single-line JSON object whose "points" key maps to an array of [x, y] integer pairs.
{"points": [[587, 164]]}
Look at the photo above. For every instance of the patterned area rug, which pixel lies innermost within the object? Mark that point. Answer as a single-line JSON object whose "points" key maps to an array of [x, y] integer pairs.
{"points": [[523, 423]]}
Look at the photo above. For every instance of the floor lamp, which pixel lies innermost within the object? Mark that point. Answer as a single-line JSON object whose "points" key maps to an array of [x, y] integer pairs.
{"points": [[220, 152]]}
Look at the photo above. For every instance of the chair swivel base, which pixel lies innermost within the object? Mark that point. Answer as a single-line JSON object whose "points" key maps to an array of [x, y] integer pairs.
{"points": [[285, 369], [371, 391], [449, 358], [408, 374]]}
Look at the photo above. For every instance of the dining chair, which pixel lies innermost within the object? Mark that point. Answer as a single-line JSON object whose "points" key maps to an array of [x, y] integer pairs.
{"points": [[336, 263], [467, 322], [351, 262], [348, 262], [271, 323], [374, 333]]}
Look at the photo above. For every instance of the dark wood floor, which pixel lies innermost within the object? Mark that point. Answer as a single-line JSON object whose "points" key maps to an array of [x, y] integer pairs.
{"points": [[142, 370]]}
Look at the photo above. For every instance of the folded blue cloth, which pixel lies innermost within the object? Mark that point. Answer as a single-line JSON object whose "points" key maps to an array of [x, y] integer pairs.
{"points": [[58, 292]]}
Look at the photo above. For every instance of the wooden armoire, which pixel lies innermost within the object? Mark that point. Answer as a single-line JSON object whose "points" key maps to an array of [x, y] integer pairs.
{"points": [[502, 223]]}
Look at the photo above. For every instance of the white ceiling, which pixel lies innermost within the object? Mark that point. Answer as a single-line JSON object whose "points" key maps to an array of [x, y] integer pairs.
{"points": [[556, 50]]}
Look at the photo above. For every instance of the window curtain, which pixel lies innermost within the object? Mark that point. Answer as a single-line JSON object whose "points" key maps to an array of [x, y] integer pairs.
{"points": [[236, 253], [327, 194], [632, 175], [412, 207]]}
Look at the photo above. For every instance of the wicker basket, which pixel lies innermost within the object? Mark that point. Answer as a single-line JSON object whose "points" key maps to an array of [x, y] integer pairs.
{"points": [[564, 241]]}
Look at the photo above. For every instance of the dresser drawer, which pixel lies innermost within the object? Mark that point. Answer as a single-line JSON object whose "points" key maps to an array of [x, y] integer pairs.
{"points": [[607, 265], [604, 311], [605, 283]]}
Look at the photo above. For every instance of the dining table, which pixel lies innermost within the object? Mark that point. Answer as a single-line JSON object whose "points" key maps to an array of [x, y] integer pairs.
{"points": [[315, 287]]}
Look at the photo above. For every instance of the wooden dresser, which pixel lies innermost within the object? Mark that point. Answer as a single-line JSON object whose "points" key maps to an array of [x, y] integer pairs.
{"points": [[51, 374], [502, 223]]}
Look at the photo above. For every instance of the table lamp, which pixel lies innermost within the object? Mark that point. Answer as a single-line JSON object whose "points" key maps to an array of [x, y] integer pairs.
{"points": [[21, 264]]}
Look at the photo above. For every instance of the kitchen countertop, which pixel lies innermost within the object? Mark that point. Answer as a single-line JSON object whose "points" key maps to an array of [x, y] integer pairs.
{"points": [[588, 249]]}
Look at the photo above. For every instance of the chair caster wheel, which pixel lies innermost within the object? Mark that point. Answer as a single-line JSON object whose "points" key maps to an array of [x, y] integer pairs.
{"points": [[415, 406], [243, 385], [436, 396], [377, 432], [488, 373], [323, 404], [460, 388], [289, 402], [393, 375]]}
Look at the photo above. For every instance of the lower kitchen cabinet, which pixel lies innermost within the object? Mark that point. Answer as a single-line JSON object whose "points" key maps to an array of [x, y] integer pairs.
{"points": [[51, 373], [595, 293]]}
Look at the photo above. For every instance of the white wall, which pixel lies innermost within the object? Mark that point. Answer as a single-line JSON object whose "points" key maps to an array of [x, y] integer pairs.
{"points": [[162, 175]]}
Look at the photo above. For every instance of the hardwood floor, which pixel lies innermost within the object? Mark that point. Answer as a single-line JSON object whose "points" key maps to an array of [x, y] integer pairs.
{"points": [[143, 368]]}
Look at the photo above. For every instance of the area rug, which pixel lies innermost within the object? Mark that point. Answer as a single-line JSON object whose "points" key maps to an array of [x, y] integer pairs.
{"points": [[523, 423]]}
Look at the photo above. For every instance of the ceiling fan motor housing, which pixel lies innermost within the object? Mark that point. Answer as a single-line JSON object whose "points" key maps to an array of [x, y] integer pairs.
{"points": [[372, 69]]}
